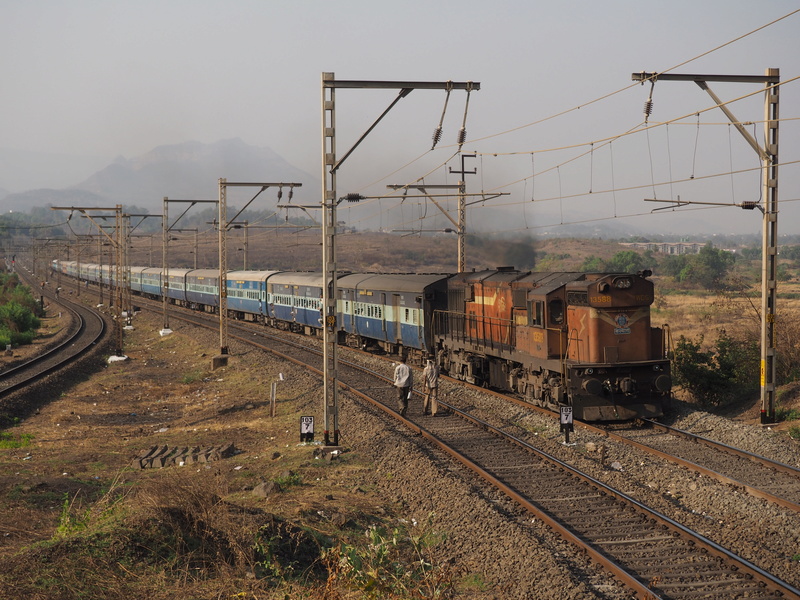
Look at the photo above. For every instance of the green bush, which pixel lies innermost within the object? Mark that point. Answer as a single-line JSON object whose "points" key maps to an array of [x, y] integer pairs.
{"points": [[18, 320], [727, 372]]}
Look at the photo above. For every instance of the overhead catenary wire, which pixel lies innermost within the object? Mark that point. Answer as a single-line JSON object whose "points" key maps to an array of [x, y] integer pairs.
{"points": [[632, 131], [561, 113], [628, 87]]}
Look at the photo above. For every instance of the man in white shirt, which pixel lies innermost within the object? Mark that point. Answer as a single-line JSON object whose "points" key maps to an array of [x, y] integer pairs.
{"points": [[403, 381]]}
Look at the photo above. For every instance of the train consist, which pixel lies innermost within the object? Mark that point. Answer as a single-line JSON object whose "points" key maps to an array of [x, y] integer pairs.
{"points": [[578, 339]]}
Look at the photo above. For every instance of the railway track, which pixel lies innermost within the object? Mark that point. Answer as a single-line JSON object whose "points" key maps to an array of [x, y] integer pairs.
{"points": [[756, 475], [86, 329], [654, 555]]}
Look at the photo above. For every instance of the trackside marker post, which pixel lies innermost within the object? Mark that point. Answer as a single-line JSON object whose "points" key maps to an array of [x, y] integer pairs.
{"points": [[566, 422], [306, 429]]}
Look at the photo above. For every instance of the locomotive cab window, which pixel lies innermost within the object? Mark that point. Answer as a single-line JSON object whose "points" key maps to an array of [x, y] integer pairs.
{"points": [[556, 309], [536, 313]]}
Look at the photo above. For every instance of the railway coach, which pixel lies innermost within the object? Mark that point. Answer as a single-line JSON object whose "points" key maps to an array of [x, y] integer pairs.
{"points": [[202, 289], [247, 294], [390, 311], [294, 301]]}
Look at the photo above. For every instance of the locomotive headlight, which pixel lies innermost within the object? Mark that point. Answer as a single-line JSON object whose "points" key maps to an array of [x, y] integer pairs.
{"points": [[663, 383], [623, 283], [592, 386], [658, 368]]}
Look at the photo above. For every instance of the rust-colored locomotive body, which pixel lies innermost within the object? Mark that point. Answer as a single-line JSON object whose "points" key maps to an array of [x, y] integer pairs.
{"points": [[579, 339]]}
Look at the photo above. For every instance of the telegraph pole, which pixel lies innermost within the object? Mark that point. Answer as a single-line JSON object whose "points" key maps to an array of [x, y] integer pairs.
{"points": [[460, 224], [165, 230], [224, 225], [462, 211], [769, 192], [330, 165], [117, 241]]}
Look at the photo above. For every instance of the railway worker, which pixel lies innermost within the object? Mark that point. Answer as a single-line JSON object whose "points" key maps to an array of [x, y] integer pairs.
{"points": [[403, 381], [430, 375]]}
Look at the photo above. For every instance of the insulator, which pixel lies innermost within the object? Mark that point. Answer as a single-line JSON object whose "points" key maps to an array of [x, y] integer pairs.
{"points": [[291, 193], [437, 135], [648, 107], [354, 197], [280, 193], [462, 135]]}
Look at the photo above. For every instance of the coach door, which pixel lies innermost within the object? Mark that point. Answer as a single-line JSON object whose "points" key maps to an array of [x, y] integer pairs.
{"points": [[383, 315], [396, 313]]}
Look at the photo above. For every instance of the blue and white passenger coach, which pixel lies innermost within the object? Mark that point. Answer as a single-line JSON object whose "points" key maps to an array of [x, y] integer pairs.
{"points": [[151, 282], [247, 294], [392, 311], [295, 300], [202, 289]]}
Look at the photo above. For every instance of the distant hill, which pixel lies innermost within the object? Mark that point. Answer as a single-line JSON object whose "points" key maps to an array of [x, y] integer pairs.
{"points": [[186, 170]]}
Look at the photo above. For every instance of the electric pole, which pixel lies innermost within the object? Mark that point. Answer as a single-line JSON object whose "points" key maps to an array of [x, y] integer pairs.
{"points": [[330, 166], [462, 211], [769, 192]]}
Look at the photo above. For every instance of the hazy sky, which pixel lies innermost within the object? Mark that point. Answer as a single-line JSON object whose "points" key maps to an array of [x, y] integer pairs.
{"points": [[86, 81]]}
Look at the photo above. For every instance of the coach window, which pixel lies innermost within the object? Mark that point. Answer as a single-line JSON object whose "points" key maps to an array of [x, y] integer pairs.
{"points": [[556, 310]]}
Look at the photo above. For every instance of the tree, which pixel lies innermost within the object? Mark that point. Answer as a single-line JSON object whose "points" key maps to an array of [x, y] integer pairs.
{"points": [[708, 268], [593, 264], [672, 265], [725, 373], [627, 261]]}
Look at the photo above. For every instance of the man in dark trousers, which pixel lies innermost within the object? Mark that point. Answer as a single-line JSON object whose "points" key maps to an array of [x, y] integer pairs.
{"points": [[403, 381]]}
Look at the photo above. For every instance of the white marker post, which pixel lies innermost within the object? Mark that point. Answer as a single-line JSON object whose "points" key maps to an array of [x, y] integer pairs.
{"points": [[566, 422], [306, 429]]}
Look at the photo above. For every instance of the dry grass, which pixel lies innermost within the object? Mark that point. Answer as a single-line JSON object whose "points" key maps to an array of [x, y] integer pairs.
{"points": [[77, 521]]}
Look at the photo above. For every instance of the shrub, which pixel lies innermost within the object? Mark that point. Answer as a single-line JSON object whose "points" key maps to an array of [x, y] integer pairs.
{"points": [[725, 373]]}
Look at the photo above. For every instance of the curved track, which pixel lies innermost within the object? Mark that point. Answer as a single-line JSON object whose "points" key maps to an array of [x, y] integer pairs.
{"points": [[86, 329]]}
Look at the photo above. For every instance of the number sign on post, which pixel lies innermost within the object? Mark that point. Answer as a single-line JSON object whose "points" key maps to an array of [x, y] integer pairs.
{"points": [[566, 422], [306, 429]]}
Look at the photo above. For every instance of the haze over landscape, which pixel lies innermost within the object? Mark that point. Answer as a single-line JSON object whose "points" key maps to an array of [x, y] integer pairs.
{"points": [[128, 102]]}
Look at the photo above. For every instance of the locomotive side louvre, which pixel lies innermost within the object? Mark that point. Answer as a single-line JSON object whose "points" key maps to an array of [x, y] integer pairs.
{"points": [[476, 335]]}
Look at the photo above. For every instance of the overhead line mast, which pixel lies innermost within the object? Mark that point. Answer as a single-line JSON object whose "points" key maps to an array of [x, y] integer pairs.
{"points": [[769, 186], [330, 166]]}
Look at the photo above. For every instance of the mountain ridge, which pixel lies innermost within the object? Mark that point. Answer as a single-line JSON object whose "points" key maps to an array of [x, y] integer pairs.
{"points": [[188, 169]]}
